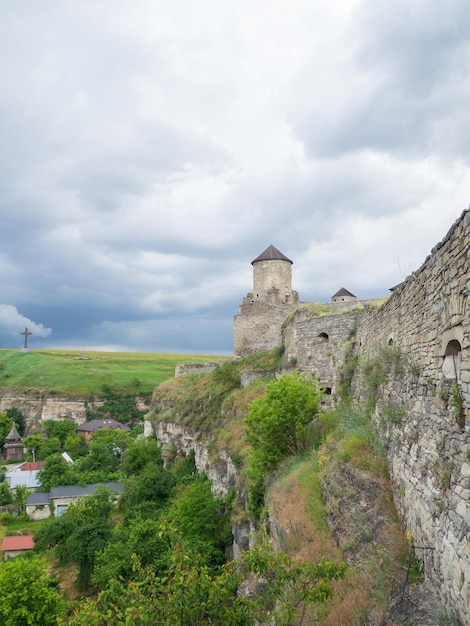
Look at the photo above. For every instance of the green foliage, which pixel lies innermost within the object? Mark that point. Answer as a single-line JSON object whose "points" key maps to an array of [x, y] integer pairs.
{"points": [[145, 539], [56, 472], [19, 499], [106, 450], [201, 518], [277, 424], [458, 406], [227, 376], [140, 453], [17, 418], [80, 533], [188, 593], [60, 429], [147, 492], [28, 596], [118, 405], [289, 585], [5, 426], [33, 444], [5, 494]]}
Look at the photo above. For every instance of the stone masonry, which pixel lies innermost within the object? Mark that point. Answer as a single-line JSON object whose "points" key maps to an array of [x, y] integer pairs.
{"points": [[421, 335]]}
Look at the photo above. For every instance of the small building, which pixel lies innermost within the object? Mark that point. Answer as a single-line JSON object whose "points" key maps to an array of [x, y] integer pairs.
{"points": [[42, 505], [86, 430], [13, 448], [343, 295], [25, 475], [16, 545]]}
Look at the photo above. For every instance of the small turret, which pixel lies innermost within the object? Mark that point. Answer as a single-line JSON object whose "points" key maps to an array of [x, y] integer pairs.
{"points": [[343, 295]]}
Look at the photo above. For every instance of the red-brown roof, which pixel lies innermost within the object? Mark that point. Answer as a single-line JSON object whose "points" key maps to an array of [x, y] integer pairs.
{"points": [[30, 466], [17, 542]]}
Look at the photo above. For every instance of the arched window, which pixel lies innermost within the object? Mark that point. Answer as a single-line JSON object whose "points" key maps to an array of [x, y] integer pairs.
{"points": [[324, 336], [452, 360]]}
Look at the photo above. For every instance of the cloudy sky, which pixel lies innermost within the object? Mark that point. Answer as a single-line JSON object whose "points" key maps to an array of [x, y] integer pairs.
{"points": [[151, 149]]}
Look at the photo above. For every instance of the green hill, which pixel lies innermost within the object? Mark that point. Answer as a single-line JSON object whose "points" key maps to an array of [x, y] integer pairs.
{"points": [[75, 373]]}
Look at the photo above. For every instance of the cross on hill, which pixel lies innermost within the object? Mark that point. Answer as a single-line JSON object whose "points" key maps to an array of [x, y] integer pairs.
{"points": [[26, 333]]}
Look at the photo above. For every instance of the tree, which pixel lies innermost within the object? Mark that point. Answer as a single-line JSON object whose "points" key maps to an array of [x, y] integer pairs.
{"points": [[80, 533], [200, 517], [142, 537], [141, 452], [5, 494], [33, 444], [106, 450], [276, 424], [56, 472], [28, 597], [5, 426], [60, 429], [147, 493], [189, 593], [17, 418]]}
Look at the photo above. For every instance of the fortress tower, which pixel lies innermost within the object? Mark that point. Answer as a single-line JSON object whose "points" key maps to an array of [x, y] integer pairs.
{"points": [[257, 326]]}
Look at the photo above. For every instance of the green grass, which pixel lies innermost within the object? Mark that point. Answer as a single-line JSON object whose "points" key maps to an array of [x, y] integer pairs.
{"points": [[81, 373]]}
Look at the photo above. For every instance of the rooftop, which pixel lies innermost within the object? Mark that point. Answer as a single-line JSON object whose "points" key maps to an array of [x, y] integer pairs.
{"points": [[17, 542], [95, 425], [271, 254]]}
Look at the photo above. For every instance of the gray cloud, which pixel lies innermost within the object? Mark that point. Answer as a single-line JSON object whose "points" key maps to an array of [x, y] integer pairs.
{"points": [[150, 152], [12, 323]]}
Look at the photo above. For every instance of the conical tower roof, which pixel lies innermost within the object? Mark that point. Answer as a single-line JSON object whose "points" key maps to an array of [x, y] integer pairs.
{"points": [[13, 435], [343, 292], [271, 254]]}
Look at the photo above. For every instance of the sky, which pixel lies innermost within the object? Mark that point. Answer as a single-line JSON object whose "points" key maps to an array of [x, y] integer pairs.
{"points": [[151, 149]]}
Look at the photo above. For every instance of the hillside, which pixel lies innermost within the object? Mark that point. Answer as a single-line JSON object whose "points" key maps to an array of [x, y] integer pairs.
{"points": [[73, 373], [332, 500]]}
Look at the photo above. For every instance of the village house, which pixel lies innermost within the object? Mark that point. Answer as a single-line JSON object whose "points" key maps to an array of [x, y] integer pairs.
{"points": [[86, 430], [55, 502], [25, 475], [18, 544]]}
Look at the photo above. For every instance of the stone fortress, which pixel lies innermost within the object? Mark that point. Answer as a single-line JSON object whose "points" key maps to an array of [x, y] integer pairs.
{"points": [[420, 337]]}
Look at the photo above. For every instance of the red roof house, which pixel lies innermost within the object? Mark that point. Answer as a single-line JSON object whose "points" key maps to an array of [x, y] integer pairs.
{"points": [[13, 546]]}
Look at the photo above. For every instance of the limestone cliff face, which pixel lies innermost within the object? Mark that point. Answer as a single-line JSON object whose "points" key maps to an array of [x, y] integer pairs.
{"points": [[218, 467], [38, 408]]}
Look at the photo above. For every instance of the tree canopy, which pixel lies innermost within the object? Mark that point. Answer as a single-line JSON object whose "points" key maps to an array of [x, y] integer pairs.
{"points": [[27, 596], [277, 423]]}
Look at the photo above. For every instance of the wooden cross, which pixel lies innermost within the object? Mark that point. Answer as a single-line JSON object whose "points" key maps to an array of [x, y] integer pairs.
{"points": [[26, 333]]}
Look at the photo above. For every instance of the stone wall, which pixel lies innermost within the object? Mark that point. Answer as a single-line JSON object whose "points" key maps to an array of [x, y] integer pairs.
{"points": [[257, 326], [317, 344], [194, 368], [426, 395], [420, 341]]}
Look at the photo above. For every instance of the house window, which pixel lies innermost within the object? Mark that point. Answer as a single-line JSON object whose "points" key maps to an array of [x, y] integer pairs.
{"points": [[61, 508], [452, 360]]}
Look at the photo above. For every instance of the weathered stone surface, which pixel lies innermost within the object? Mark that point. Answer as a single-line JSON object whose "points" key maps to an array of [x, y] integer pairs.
{"points": [[424, 319]]}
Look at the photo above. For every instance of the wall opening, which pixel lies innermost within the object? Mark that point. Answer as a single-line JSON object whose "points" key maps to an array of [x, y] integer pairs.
{"points": [[324, 336], [452, 360]]}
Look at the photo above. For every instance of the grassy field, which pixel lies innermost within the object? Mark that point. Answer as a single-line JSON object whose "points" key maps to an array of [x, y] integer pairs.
{"points": [[76, 373]]}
